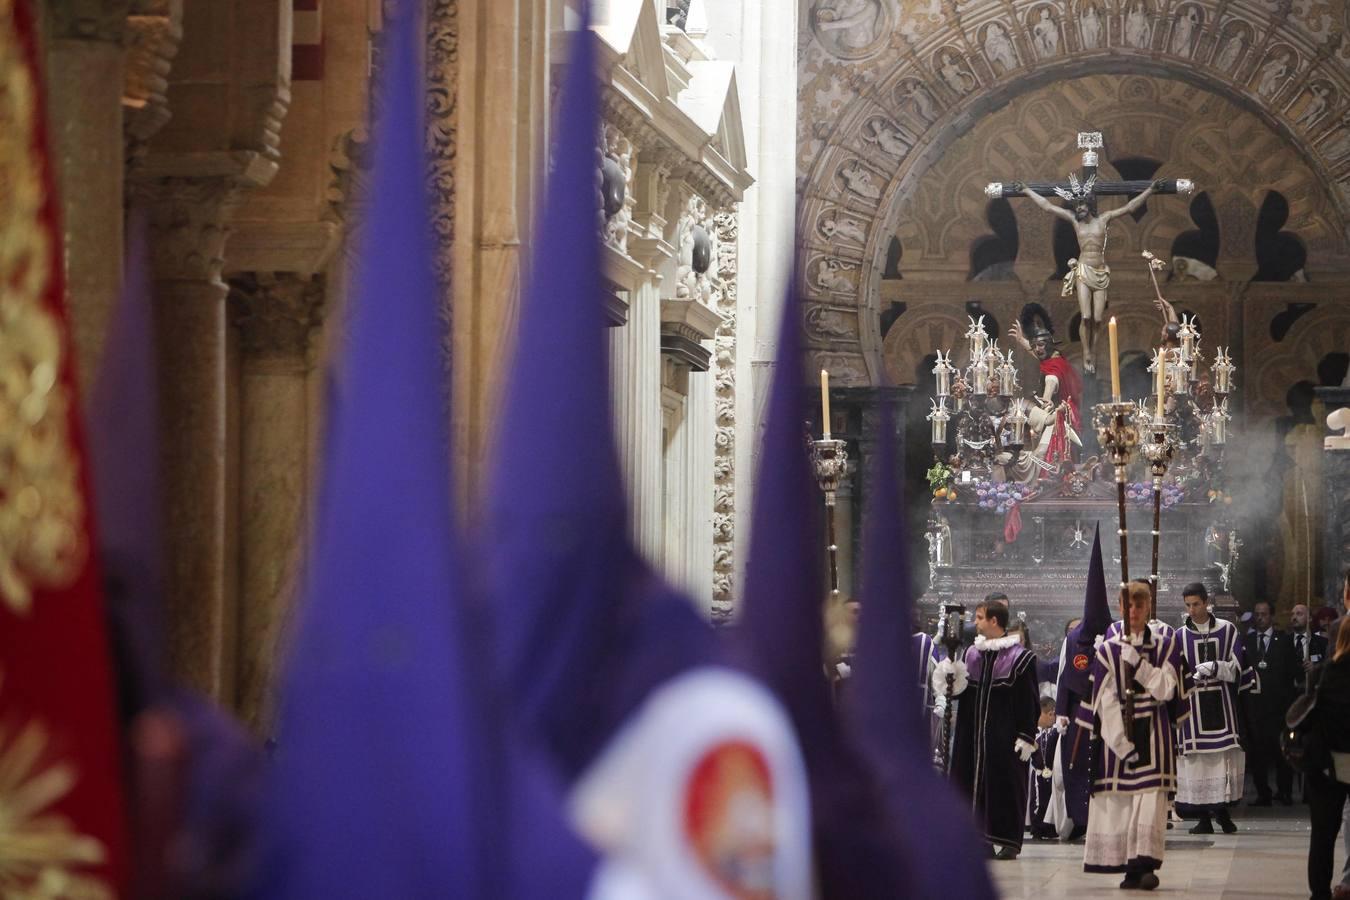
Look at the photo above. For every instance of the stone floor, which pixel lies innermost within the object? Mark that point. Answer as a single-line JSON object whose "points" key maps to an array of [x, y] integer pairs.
{"points": [[1266, 859]]}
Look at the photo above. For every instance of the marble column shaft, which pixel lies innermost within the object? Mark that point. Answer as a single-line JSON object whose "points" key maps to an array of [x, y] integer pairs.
{"points": [[635, 355], [188, 233], [277, 318]]}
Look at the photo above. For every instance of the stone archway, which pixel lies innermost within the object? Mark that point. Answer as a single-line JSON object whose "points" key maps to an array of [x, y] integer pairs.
{"points": [[883, 117]]}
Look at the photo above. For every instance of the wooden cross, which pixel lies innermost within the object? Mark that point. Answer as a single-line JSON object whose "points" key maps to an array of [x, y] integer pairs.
{"points": [[1086, 186]]}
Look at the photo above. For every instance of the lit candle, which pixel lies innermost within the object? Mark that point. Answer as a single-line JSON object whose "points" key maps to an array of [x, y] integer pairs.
{"points": [[825, 403], [1115, 361], [1162, 379]]}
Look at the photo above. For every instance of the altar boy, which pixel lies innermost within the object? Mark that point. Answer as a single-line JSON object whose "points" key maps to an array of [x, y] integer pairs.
{"points": [[1041, 773]]}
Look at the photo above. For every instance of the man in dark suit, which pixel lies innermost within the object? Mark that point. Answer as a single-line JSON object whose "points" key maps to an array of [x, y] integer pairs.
{"points": [[1310, 648], [1270, 652]]}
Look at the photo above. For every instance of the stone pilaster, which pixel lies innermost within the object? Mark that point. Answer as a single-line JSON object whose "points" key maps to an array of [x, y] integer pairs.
{"points": [[84, 95], [278, 317], [188, 231]]}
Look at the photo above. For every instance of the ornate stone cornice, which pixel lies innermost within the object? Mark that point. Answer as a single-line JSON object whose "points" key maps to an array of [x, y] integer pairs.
{"points": [[442, 109], [87, 20], [278, 314], [153, 30]]}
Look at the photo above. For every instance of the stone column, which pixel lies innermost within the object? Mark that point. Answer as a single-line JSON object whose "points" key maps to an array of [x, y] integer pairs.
{"points": [[766, 77], [277, 317], [1335, 504], [635, 350], [84, 108], [187, 238]]}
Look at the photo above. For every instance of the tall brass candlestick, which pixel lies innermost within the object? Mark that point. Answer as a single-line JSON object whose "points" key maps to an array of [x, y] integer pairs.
{"points": [[1118, 435]]}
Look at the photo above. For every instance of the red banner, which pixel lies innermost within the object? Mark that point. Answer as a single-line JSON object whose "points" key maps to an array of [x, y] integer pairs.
{"points": [[63, 818]]}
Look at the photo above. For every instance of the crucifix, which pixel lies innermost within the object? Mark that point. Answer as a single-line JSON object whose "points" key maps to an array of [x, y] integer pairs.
{"points": [[1088, 276]]}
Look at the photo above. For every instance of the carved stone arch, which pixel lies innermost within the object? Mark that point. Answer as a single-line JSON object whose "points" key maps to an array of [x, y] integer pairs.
{"points": [[1322, 331], [956, 113], [923, 328]]}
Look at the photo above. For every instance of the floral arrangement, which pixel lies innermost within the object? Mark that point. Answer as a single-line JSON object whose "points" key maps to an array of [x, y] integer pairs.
{"points": [[1000, 496], [940, 481], [1141, 492]]}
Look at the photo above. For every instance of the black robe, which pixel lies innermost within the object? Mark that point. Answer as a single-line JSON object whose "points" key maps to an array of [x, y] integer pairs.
{"points": [[1000, 705]]}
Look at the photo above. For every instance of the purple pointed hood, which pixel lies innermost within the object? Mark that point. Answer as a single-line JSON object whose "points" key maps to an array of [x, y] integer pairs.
{"points": [[584, 629], [394, 774], [1097, 619], [941, 846]]}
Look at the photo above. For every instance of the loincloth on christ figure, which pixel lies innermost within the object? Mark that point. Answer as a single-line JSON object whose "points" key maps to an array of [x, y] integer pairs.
{"points": [[1094, 278]]}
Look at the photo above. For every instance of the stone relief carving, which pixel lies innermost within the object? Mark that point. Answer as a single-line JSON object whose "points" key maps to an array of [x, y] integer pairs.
{"points": [[1233, 44], [850, 29], [1091, 24], [442, 112], [835, 225], [999, 49], [1320, 96], [1188, 22], [616, 146], [859, 180], [690, 283], [914, 99], [1138, 29], [724, 422], [828, 324], [954, 72], [886, 135], [1274, 72], [845, 370], [831, 275], [1045, 34]]}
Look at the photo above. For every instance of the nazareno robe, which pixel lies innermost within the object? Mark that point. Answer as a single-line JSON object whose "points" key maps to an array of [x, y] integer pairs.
{"points": [[999, 706], [1127, 819]]}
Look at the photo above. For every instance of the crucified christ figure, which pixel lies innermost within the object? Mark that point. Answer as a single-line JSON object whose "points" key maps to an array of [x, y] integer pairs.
{"points": [[1088, 275]]}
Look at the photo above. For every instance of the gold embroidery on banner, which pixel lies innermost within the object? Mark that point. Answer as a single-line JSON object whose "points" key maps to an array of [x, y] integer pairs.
{"points": [[41, 509], [41, 854]]}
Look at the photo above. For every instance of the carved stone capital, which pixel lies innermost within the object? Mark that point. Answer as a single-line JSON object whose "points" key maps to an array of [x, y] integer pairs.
{"points": [[189, 224], [87, 20], [278, 314]]}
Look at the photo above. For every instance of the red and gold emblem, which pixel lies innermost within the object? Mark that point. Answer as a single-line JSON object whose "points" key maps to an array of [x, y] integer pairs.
{"points": [[729, 819], [1080, 662]]}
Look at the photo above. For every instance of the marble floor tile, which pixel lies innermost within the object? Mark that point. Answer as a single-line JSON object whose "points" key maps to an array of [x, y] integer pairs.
{"points": [[1265, 860]]}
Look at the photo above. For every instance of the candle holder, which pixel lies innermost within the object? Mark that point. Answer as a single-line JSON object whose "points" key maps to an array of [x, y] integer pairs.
{"points": [[939, 416], [1157, 449], [829, 461], [1223, 370], [950, 618], [1119, 436], [943, 370]]}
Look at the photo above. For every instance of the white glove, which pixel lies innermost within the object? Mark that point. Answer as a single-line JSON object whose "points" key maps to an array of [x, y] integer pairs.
{"points": [[949, 667], [1061, 724], [1129, 655], [1132, 757], [844, 669], [1024, 749], [1205, 670]]}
